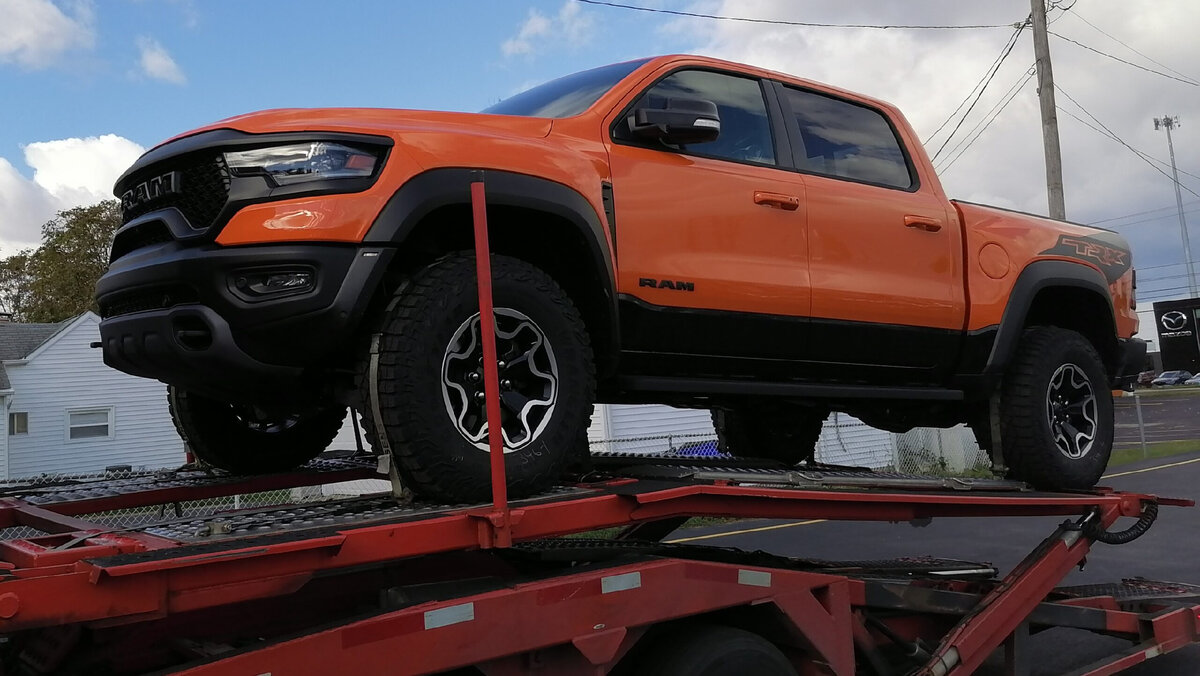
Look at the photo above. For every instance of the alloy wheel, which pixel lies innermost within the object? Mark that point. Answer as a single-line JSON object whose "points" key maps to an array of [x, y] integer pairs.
{"points": [[528, 374]]}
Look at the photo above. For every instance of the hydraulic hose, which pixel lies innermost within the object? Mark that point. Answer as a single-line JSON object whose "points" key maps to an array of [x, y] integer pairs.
{"points": [[1095, 531]]}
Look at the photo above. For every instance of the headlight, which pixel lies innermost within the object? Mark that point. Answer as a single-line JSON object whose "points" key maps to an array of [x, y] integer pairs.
{"points": [[300, 162]]}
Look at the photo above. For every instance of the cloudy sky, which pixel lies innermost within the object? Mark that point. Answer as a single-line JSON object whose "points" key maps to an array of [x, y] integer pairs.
{"points": [[89, 85]]}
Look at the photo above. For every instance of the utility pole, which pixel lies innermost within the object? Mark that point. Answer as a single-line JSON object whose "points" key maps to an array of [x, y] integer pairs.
{"points": [[1167, 122], [1041, 50]]}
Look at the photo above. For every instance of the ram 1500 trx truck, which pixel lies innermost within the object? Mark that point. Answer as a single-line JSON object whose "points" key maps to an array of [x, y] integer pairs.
{"points": [[678, 230]]}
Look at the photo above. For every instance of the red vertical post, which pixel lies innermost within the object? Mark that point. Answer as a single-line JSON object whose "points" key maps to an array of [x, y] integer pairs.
{"points": [[502, 535]]}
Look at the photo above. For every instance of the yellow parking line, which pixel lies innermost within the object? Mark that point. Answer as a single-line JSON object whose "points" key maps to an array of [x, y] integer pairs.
{"points": [[746, 530], [1150, 469]]}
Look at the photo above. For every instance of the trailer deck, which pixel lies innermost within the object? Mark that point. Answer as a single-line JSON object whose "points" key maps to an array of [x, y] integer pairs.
{"points": [[408, 568]]}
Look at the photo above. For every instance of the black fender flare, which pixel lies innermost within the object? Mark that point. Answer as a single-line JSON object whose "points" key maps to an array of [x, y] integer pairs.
{"points": [[436, 188], [1037, 276]]}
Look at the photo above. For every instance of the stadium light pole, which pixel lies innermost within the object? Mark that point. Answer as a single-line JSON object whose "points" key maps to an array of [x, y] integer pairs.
{"points": [[1167, 122]]}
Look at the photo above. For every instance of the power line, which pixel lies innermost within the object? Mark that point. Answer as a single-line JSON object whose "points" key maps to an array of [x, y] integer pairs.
{"points": [[995, 64], [1155, 218], [1145, 155], [1118, 139], [1012, 42], [781, 22], [1136, 213], [1162, 294], [1158, 267], [1006, 99], [1160, 279], [1130, 48], [1117, 58]]}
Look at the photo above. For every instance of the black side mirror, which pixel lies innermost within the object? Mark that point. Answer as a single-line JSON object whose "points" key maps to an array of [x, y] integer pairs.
{"points": [[676, 121]]}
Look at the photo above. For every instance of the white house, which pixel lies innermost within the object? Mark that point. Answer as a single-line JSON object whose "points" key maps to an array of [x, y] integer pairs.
{"points": [[65, 411]]}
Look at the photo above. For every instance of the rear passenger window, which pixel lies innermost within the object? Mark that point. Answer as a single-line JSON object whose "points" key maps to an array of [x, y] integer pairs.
{"points": [[745, 128], [846, 140]]}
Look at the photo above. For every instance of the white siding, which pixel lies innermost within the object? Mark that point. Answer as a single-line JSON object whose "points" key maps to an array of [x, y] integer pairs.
{"points": [[846, 440], [345, 437], [4, 435], [66, 373]]}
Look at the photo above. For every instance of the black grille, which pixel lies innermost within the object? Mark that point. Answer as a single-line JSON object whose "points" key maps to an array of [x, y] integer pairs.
{"points": [[141, 300], [146, 234], [201, 194]]}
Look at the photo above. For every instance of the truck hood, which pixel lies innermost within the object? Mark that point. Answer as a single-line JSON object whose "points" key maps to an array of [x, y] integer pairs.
{"points": [[378, 121]]}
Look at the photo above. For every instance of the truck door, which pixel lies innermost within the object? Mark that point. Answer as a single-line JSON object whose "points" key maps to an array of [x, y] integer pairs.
{"points": [[710, 237], [884, 251]]}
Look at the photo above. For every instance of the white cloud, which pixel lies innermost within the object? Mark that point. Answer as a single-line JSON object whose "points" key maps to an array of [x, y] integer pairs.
{"points": [[926, 73], [66, 173], [571, 26], [156, 63], [37, 33]]}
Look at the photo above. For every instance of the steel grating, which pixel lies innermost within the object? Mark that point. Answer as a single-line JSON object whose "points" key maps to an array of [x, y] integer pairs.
{"points": [[100, 486], [820, 478], [358, 512], [1134, 589]]}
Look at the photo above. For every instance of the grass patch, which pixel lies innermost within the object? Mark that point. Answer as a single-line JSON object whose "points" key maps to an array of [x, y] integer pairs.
{"points": [[1167, 392], [1157, 449]]}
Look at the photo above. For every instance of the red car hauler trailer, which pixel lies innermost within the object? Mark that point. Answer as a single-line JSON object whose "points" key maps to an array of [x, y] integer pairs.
{"points": [[382, 584], [375, 585]]}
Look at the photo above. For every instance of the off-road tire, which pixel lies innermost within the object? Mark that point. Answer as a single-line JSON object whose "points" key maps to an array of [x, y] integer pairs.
{"points": [[434, 459], [783, 432], [709, 650], [1026, 432], [223, 436]]}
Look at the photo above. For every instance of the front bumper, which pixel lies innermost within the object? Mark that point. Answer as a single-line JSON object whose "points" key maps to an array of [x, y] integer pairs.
{"points": [[1131, 357], [175, 313]]}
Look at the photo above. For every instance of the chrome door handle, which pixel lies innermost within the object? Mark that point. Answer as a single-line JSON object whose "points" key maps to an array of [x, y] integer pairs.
{"points": [[922, 223]]}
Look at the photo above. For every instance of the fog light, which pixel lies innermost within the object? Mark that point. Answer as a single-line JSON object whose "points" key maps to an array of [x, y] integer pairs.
{"points": [[275, 283]]}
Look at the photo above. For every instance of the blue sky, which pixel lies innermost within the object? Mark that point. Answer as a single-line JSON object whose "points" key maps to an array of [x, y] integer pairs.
{"points": [[89, 84], [242, 56]]}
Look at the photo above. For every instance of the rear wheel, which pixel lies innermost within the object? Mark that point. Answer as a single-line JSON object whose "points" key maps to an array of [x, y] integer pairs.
{"points": [[784, 432], [1056, 411], [245, 439], [431, 390], [710, 650]]}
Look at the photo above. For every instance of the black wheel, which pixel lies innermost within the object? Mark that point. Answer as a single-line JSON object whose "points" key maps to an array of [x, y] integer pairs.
{"points": [[710, 650], [1056, 411], [431, 385], [245, 439], [784, 432]]}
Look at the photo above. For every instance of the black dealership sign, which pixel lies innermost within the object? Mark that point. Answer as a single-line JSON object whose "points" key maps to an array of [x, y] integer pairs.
{"points": [[1178, 334]]}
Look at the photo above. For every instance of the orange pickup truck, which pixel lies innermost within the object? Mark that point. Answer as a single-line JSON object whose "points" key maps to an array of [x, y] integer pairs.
{"points": [[678, 230]]}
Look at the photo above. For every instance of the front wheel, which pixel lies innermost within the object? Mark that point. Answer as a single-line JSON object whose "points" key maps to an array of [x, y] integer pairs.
{"points": [[1056, 411], [431, 389], [246, 439]]}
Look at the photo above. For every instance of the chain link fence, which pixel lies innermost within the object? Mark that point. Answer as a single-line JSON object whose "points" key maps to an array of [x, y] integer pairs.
{"points": [[1142, 428]]}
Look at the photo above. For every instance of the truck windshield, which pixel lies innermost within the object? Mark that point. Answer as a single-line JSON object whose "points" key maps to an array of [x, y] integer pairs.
{"points": [[566, 96]]}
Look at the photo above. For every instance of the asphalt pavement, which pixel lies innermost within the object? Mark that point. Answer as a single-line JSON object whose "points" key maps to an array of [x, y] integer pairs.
{"points": [[1170, 551], [1168, 415]]}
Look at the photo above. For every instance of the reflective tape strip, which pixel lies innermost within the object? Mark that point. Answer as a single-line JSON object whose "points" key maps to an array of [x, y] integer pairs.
{"points": [[444, 617], [754, 578], [616, 583]]}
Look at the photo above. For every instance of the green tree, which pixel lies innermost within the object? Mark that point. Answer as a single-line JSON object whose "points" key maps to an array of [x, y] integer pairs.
{"points": [[56, 280]]}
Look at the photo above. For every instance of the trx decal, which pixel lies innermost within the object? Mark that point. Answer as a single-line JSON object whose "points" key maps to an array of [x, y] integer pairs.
{"points": [[1112, 259], [666, 284]]}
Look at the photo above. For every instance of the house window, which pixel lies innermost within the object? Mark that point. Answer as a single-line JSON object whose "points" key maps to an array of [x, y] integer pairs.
{"points": [[92, 423], [18, 423]]}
